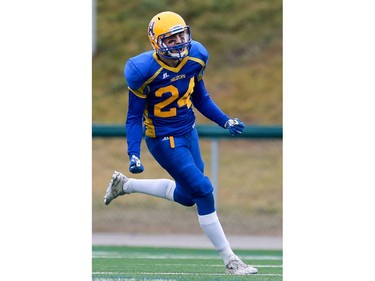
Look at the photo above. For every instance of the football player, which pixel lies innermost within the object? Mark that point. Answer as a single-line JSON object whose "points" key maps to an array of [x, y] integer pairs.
{"points": [[164, 86]]}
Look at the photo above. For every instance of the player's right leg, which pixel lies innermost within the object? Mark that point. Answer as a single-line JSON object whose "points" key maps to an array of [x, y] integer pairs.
{"points": [[115, 187]]}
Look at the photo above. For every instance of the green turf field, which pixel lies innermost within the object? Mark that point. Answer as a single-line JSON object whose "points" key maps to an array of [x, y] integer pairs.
{"points": [[144, 263]]}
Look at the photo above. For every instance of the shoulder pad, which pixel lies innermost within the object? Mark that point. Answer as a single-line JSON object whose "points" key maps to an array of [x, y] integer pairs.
{"points": [[199, 51], [137, 69]]}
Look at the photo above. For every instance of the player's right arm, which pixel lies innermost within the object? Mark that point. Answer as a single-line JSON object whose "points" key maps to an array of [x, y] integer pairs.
{"points": [[134, 121], [134, 132], [134, 127]]}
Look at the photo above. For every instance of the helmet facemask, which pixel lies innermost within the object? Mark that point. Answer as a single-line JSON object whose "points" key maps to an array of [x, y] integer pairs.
{"points": [[177, 51]]}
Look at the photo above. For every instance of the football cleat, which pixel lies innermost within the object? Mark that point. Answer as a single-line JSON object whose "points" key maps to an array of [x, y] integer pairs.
{"points": [[238, 267], [115, 187]]}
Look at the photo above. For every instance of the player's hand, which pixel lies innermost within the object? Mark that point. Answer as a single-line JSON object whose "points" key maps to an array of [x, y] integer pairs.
{"points": [[235, 126], [135, 165]]}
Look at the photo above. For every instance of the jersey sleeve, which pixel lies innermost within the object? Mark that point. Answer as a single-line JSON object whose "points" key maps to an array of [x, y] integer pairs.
{"points": [[134, 78], [136, 106], [202, 53], [134, 128], [203, 102]]}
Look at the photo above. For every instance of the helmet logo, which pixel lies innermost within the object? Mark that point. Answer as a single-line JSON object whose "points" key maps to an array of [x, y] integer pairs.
{"points": [[151, 29]]}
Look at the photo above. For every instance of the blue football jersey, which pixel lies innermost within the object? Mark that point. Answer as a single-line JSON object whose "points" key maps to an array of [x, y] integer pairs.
{"points": [[164, 95]]}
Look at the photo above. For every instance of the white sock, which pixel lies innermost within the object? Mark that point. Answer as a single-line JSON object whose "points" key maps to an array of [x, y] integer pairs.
{"points": [[163, 188], [212, 228]]}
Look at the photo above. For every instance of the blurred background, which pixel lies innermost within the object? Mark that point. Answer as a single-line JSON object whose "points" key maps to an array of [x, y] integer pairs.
{"points": [[243, 76]]}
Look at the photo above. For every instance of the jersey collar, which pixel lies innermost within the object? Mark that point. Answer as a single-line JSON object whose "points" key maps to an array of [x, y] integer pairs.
{"points": [[170, 68]]}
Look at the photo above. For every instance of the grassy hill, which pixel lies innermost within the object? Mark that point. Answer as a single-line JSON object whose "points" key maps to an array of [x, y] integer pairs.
{"points": [[243, 37]]}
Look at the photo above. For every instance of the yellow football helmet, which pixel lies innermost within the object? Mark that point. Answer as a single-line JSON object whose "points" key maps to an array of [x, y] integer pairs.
{"points": [[167, 24]]}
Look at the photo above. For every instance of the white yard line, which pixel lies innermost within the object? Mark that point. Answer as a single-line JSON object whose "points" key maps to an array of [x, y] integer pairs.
{"points": [[178, 273]]}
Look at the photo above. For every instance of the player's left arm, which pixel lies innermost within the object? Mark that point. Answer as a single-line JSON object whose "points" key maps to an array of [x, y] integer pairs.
{"points": [[203, 102]]}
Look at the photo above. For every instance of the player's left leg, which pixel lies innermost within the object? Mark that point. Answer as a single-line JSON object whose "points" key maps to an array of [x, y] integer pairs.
{"points": [[210, 223]]}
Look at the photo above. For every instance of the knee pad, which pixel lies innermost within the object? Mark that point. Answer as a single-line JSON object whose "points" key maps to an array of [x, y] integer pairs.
{"points": [[203, 188], [202, 195]]}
